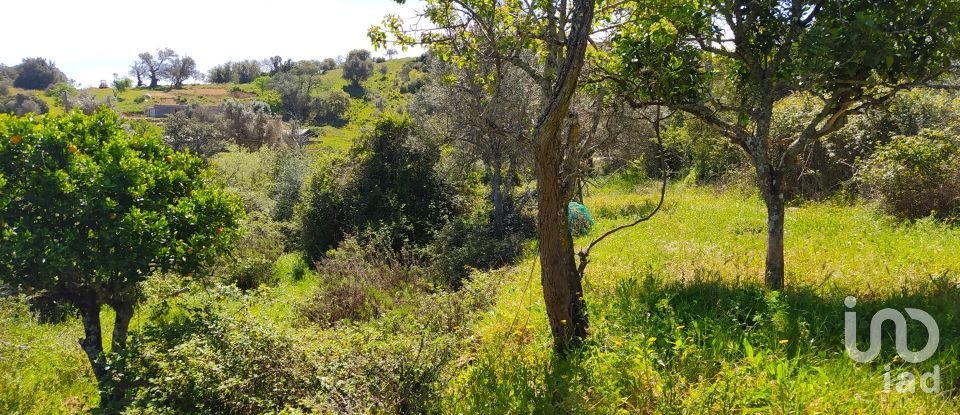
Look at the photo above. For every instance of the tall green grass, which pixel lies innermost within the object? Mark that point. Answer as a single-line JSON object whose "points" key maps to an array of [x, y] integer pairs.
{"points": [[680, 322], [42, 368]]}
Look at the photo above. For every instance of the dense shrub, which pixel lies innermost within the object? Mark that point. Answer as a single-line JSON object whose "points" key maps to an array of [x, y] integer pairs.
{"points": [[694, 150], [915, 176], [289, 170], [362, 282], [21, 104], [209, 131], [37, 73], [194, 129], [324, 214], [242, 72], [7, 73], [249, 124], [250, 264], [249, 175], [332, 107], [223, 359], [470, 242], [58, 90], [390, 185], [88, 103], [396, 185], [829, 165], [268, 181], [208, 361]]}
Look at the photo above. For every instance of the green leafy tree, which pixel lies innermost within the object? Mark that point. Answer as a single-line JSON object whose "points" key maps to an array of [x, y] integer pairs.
{"points": [[247, 71], [730, 64], [328, 64], [390, 187], [37, 73], [262, 83], [87, 212], [295, 92], [181, 69], [221, 74], [358, 66], [120, 85], [332, 107], [557, 34]]}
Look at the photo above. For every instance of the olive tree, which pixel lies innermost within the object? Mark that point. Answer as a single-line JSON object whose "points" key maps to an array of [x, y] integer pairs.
{"points": [[358, 66], [485, 121], [155, 66], [88, 211], [295, 92], [558, 33], [181, 69], [730, 63], [138, 69]]}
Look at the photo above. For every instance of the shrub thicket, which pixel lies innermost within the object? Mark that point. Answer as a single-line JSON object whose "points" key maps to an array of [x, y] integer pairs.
{"points": [[915, 176], [37, 73], [21, 104], [210, 361], [470, 241], [389, 185]]}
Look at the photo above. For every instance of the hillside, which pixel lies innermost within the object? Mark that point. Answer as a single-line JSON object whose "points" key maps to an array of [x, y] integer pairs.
{"points": [[380, 93]]}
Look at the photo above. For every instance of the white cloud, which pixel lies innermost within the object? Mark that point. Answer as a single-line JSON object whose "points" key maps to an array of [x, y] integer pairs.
{"points": [[91, 40]]}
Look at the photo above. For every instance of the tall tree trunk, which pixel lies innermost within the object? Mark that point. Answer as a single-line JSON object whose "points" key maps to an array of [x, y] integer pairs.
{"points": [[770, 178], [771, 188], [121, 325], [92, 341], [562, 289], [775, 217]]}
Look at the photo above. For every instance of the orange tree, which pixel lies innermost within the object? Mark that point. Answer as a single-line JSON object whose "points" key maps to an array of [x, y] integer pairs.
{"points": [[88, 211]]}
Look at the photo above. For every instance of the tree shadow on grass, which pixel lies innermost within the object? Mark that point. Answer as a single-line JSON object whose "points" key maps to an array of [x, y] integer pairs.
{"points": [[355, 91], [700, 328]]}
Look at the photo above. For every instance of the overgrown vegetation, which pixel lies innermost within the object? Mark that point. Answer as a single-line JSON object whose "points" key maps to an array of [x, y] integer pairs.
{"points": [[483, 229]]}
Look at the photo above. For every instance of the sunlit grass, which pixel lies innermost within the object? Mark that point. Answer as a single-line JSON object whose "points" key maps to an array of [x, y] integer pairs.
{"points": [[680, 322]]}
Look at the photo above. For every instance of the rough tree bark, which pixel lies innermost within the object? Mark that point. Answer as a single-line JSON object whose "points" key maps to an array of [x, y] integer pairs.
{"points": [[562, 289], [92, 341], [89, 304], [121, 325], [771, 189]]}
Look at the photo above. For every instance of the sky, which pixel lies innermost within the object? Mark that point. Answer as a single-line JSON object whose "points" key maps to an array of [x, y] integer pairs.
{"points": [[91, 40]]}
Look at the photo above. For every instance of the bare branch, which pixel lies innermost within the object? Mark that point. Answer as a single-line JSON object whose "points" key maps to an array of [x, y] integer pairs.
{"points": [[584, 254]]}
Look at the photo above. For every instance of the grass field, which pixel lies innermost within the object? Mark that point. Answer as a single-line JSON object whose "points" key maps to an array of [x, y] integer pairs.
{"points": [[681, 324]]}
